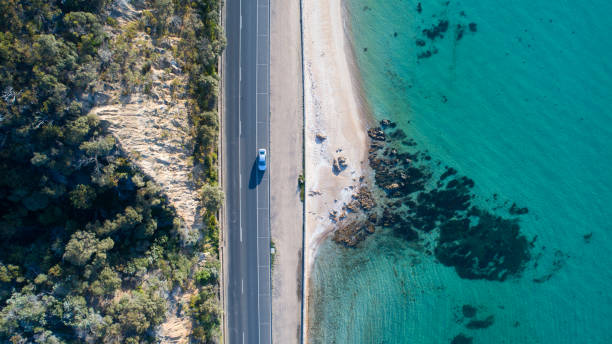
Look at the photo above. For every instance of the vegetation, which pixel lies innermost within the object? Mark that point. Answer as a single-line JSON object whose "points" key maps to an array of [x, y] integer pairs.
{"points": [[272, 253], [89, 249], [301, 185]]}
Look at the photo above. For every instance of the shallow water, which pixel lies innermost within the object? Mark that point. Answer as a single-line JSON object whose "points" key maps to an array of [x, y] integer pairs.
{"points": [[522, 106]]}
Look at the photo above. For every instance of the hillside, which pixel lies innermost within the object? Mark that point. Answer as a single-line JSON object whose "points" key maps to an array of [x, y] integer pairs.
{"points": [[108, 177]]}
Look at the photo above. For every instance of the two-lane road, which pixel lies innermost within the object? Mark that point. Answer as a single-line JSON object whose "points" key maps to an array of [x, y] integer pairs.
{"points": [[246, 129]]}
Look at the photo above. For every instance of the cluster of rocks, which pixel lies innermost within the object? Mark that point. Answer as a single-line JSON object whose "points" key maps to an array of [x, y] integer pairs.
{"points": [[352, 232], [477, 243], [438, 30], [363, 218]]}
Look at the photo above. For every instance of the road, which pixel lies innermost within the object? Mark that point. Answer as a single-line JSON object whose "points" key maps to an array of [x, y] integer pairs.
{"points": [[246, 129]]}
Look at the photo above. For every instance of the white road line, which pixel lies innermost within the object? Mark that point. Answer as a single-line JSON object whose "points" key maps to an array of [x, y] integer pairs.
{"points": [[257, 189], [242, 285], [239, 133]]}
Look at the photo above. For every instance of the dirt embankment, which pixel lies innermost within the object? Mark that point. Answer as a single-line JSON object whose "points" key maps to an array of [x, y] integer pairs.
{"points": [[146, 109]]}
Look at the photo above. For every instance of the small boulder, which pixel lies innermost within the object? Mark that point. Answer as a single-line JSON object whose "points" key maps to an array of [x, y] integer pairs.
{"points": [[320, 137]]}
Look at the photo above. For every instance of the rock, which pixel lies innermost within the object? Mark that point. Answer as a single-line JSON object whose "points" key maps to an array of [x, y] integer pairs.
{"points": [[373, 217], [339, 164], [376, 134], [369, 228], [392, 186], [336, 166], [385, 123], [462, 339], [480, 324], [469, 311], [352, 232], [333, 215], [353, 206], [320, 137], [364, 198]]}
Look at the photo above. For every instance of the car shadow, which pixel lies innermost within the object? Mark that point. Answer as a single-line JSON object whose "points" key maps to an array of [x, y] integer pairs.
{"points": [[256, 176]]}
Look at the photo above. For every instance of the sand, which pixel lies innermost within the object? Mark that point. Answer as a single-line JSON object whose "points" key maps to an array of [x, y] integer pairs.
{"points": [[333, 108]]}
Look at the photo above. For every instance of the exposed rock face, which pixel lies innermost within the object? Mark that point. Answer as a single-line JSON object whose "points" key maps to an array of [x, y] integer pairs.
{"points": [[320, 137]]}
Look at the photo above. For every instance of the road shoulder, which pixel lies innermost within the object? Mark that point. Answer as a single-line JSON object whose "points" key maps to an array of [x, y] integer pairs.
{"points": [[286, 159]]}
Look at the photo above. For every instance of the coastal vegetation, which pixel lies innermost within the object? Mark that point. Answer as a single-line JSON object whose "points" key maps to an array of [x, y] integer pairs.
{"points": [[90, 248]]}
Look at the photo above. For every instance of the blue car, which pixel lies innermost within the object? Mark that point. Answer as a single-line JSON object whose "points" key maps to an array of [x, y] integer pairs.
{"points": [[261, 160]]}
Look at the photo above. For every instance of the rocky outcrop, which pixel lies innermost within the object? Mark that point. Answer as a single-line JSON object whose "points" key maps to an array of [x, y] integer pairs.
{"points": [[351, 233], [376, 134]]}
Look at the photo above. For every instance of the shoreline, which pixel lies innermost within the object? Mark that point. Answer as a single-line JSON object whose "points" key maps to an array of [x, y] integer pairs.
{"points": [[335, 108]]}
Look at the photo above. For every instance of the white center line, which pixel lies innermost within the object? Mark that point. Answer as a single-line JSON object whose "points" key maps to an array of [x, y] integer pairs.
{"points": [[242, 286]]}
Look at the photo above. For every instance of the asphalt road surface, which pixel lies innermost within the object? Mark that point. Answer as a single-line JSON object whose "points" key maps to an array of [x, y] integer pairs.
{"points": [[246, 129]]}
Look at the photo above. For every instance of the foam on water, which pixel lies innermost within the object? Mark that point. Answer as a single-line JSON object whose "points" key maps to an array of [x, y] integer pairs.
{"points": [[523, 107]]}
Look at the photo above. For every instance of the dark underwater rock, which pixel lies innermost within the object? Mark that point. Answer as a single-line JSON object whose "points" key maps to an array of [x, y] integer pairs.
{"points": [[469, 311], [462, 339], [424, 55], [516, 210], [473, 27], [480, 324], [437, 30], [492, 249], [459, 32]]}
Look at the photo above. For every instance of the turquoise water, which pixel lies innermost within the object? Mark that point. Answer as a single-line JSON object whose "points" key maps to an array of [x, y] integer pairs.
{"points": [[523, 106]]}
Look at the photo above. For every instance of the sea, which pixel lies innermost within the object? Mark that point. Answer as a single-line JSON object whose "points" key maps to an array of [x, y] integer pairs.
{"points": [[517, 97]]}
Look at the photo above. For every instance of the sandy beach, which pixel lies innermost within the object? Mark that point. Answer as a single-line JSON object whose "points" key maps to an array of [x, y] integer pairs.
{"points": [[334, 112]]}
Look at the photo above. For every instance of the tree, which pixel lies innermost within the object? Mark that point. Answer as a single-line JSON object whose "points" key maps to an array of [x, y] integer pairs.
{"points": [[212, 197], [83, 245], [106, 284], [23, 312], [82, 196]]}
